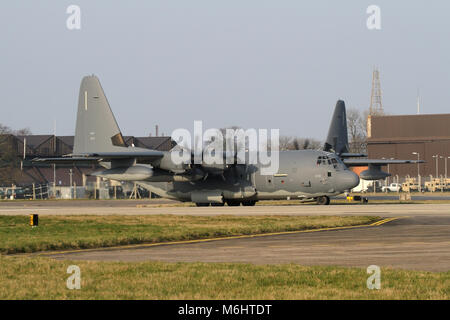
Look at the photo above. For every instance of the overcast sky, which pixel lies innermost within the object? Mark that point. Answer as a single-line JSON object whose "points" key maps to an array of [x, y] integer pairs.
{"points": [[256, 64]]}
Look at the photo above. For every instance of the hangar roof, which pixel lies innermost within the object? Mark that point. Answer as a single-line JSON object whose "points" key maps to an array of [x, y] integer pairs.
{"points": [[408, 127]]}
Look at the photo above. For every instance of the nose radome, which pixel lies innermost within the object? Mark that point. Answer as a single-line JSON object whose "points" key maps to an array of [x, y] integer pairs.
{"points": [[348, 180], [352, 179]]}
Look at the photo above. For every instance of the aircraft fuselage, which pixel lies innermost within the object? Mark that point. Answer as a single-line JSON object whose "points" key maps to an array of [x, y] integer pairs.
{"points": [[302, 174]]}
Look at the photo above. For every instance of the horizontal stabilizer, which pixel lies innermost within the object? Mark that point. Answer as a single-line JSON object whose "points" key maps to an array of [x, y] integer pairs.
{"points": [[376, 162], [352, 155]]}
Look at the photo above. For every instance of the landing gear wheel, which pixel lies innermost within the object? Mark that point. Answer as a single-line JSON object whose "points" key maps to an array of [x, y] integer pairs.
{"points": [[249, 203], [199, 204], [323, 200], [233, 203], [218, 204]]}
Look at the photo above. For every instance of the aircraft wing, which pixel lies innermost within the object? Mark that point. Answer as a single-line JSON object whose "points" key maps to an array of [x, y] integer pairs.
{"points": [[376, 162], [67, 160], [150, 156], [140, 155]]}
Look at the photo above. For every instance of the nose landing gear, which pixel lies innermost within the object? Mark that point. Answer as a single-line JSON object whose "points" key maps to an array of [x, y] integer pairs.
{"points": [[323, 200]]}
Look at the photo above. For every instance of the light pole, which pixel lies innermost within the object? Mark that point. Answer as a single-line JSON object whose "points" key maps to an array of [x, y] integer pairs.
{"points": [[446, 169], [445, 181], [418, 171], [388, 168], [437, 165], [54, 180], [398, 189], [71, 184], [387, 180], [389, 172]]}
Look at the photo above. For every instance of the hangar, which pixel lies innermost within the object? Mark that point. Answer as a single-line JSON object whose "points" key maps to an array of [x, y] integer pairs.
{"points": [[424, 137], [26, 148]]}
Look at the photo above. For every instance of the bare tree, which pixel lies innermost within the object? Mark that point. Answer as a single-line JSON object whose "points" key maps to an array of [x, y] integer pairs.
{"points": [[295, 143], [286, 143], [23, 132], [357, 130], [8, 157], [309, 143], [4, 129]]}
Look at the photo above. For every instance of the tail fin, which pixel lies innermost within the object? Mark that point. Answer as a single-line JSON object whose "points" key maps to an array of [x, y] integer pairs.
{"points": [[96, 128], [337, 139]]}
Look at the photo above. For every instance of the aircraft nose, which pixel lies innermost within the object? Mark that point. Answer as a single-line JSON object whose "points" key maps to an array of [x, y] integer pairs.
{"points": [[349, 180]]}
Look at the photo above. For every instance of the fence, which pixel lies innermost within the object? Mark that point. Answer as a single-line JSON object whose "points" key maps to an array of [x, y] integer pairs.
{"points": [[407, 184], [90, 191]]}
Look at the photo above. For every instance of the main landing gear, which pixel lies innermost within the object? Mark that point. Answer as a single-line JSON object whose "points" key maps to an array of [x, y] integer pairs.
{"points": [[230, 203], [245, 203], [200, 204], [323, 200]]}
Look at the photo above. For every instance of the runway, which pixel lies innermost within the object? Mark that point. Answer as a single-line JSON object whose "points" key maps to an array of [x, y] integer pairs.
{"points": [[147, 207], [419, 240], [414, 243]]}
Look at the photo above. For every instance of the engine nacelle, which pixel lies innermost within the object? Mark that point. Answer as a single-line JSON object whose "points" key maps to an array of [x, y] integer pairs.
{"points": [[133, 173], [142, 172], [374, 173]]}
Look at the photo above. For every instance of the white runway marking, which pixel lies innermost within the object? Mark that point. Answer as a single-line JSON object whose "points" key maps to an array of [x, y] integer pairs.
{"points": [[24, 209]]}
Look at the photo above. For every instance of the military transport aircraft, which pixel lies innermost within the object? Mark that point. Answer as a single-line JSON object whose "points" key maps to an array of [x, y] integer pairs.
{"points": [[302, 174]]}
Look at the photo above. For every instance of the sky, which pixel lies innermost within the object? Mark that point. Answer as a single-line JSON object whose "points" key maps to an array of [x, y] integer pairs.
{"points": [[252, 63]]}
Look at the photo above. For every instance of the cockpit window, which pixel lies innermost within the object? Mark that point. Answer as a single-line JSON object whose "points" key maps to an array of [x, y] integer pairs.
{"points": [[329, 161], [334, 161], [323, 160]]}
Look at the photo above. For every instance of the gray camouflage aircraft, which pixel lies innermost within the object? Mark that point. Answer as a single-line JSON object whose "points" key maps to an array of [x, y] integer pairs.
{"points": [[302, 174]]}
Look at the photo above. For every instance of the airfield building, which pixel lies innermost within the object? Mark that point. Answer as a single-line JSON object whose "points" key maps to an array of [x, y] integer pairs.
{"points": [[31, 146], [425, 137]]}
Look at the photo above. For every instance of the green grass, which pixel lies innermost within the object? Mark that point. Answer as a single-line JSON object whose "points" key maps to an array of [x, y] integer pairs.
{"points": [[80, 232], [42, 278]]}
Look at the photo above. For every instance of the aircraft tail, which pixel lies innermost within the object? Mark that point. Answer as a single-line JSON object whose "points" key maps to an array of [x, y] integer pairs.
{"points": [[337, 139], [96, 128]]}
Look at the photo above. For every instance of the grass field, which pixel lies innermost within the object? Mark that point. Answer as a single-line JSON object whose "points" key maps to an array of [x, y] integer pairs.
{"points": [[32, 277], [42, 278], [79, 232]]}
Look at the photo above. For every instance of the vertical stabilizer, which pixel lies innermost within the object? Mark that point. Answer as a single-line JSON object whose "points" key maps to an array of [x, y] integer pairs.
{"points": [[96, 128], [337, 139]]}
